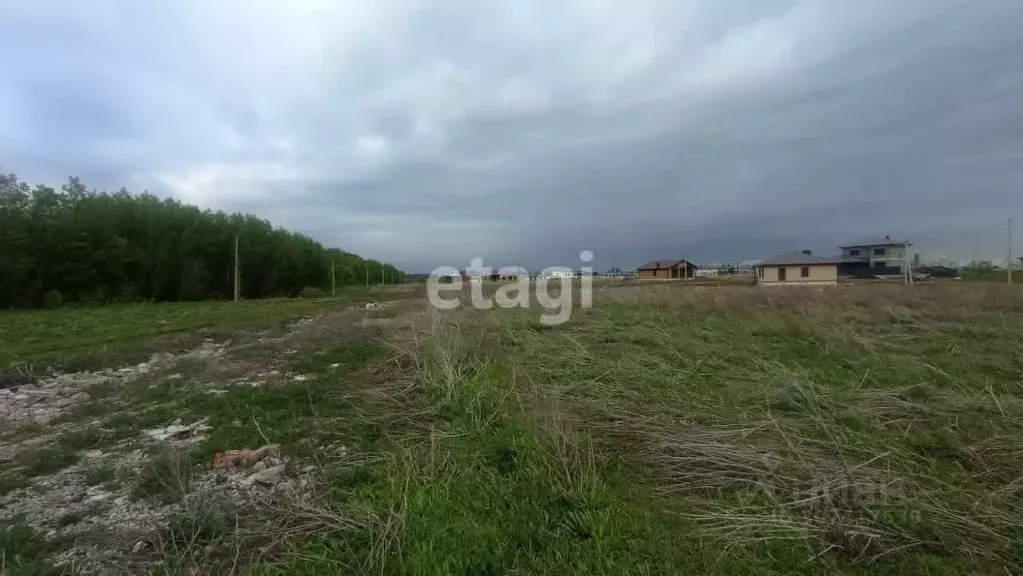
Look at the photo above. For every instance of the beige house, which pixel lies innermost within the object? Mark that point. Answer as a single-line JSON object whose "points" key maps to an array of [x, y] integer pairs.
{"points": [[797, 269], [676, 269]]}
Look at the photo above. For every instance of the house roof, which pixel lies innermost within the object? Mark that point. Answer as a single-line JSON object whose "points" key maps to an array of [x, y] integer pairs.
{"points": [[850, 259], [796, 258], [662, 264], [885, 241]]}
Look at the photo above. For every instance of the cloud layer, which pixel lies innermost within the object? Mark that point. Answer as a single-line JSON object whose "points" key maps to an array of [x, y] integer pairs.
{"points": [[426, 132]]}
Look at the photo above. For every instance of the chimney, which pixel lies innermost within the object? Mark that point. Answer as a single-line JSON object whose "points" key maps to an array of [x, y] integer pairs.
{"points": [[807, 252]]}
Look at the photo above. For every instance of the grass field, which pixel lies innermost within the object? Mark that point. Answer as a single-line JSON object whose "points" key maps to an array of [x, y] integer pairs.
{"points": [[98, 333], [668, 429], [991, 275]]}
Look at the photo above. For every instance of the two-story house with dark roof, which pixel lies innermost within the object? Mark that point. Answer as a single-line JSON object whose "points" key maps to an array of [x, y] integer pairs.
{"points": [[883, 253]]}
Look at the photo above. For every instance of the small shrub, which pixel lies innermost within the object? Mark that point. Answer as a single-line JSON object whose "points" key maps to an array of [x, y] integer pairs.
{"points": [[941, 444], [99, 475], [853, 420], [310, 292], [200, 526], [796, 400], [9, 482], [84, 439], [918, 393], [53, 299], [70, 519], [25, 551], [39, 461], [165, 478]]}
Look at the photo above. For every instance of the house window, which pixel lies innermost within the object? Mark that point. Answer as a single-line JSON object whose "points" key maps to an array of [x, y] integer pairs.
{"points": [[854, 252], [804, 272], [880, 264], [878, 251], [781, 274]]}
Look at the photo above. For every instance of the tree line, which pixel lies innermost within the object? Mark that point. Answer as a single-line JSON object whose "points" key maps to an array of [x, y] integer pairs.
{"points": [[77, 245]]}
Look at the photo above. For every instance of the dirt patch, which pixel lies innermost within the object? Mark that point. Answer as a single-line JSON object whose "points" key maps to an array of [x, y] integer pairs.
{"points": [[116, 504], [41, 400], [120, 507]]}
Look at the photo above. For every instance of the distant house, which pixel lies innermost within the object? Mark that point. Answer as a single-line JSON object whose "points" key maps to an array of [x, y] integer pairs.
{"points": [[745, 268], [496, 274], [796, 269], [667, 269], [473, 276], [559, 274], [886, 255]]}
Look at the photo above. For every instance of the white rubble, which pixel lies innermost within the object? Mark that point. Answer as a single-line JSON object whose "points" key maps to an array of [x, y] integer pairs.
{"points": [[180, 432], [267, 476], [46, 398]]}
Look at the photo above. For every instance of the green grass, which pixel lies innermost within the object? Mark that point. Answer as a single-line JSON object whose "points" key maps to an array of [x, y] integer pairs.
{"points": [[24, 552], [301, 416], [308, 418], [51, 335], [485, 493], [83, 439], [720, 430], [903, 412], [864, 430], [991, 275], [11, 481], [166, 477], [101, 476], [41, 460], [18, 432], [44, 458]]}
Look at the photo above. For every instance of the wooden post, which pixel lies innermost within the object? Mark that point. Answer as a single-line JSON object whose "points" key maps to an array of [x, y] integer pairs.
{"points": [[908, 269], [1008, 255]]}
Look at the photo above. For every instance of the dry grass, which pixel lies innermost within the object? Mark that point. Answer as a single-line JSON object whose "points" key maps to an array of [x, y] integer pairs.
{"points": [[855, 430], [861, 429], [744, 490], [870, 423], [950, 298]]}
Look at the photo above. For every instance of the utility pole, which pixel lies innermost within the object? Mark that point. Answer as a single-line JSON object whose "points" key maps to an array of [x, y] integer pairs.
{"points": [[908, 269], [1008, 254], [367, 273], [237, 274], [381, 274], [333, 284]]}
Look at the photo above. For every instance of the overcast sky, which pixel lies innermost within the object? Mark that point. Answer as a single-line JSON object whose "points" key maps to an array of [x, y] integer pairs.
{"points": [[427, 132]]}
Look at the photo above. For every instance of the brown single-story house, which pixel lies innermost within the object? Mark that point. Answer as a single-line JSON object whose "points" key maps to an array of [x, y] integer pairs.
{"points": [[797, 269], [679, 268]]}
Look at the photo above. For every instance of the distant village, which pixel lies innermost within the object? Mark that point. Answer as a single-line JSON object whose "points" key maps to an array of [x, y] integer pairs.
{"points": [[884, 258]]}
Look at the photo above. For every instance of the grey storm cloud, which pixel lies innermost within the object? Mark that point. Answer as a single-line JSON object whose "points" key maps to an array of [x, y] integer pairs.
{"points": [[426, 133]]}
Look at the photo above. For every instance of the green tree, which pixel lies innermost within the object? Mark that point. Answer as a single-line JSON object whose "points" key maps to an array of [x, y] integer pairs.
{"points": [[84, 245]]}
